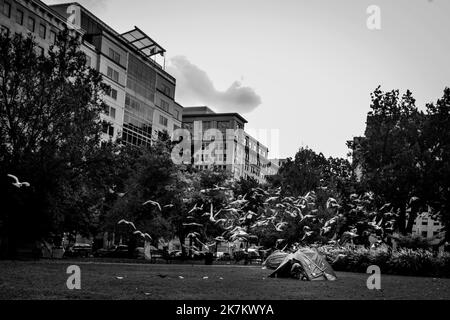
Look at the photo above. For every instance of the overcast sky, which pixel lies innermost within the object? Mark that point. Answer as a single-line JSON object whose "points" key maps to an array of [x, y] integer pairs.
{"points": [[304, 67]]}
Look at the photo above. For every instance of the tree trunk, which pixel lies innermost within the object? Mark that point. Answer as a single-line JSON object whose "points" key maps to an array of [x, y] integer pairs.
{"points": [[182, 241], [402, 219], [412, 217]]}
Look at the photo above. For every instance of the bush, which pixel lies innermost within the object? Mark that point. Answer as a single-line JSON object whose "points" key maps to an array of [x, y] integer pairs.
{"points": [[406, 262]]}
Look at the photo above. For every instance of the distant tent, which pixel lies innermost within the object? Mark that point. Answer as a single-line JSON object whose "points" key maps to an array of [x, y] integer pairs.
{"points": [[306, 264]]}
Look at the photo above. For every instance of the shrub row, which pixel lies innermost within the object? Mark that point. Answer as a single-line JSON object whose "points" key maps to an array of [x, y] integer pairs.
{"points": [[407, 262]]}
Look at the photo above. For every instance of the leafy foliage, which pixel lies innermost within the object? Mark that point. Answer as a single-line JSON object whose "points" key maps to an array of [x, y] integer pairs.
{"points": [[49, 136]]}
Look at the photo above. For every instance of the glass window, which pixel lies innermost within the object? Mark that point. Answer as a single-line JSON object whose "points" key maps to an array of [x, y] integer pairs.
{"points": [[19, 17], [114, 55], [113, 74], [42, 31], [6, 10], [164, 105], [207, 125], [163, 120], [141, 78], [53, 38], [4, 30], [111, 93], [223, 124], [88, 61], [31, 24], [112, 113], [111, 131], [114, 94]]}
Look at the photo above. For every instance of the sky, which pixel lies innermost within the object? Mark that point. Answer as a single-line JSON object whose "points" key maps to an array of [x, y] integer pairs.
{"points": [[301, 69]]}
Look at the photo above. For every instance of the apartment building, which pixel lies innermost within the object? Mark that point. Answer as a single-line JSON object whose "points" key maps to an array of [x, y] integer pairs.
{"points": [[219, 141], [140, 101], [427, 227]]}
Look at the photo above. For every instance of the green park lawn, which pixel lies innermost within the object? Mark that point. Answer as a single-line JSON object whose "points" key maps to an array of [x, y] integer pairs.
{"points": [[47, 280]]}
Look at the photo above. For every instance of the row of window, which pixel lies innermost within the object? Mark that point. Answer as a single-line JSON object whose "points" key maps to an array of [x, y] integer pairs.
{"points": [[163, 120], [425, 222], [108, 129], [207, 157], [217, 167], [130, 137], [114, 55], [111, 92], [138, 108], [141, 78], [110, 111], [137, 125], [30, 23], [112, 74], [164, 105]]}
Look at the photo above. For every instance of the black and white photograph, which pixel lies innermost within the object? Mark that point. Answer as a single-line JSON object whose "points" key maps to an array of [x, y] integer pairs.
{"points": [[224, 155]]}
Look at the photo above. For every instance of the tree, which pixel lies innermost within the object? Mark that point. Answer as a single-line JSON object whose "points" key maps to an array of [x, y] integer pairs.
{"points": [[150, 174], [50, 135], [311, 171], [435, 164], [390, 151]]}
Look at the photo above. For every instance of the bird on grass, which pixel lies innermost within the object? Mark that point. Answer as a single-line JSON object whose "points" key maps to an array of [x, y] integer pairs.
{"points": [[17, 183]]}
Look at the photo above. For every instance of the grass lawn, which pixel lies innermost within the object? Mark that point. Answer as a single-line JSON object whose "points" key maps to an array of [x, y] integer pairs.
{"points": [[47, 280]]}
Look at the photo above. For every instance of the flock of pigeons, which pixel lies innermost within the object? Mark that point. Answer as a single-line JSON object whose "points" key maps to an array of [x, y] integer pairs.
{"points": [[239, 222], [241, 219]]}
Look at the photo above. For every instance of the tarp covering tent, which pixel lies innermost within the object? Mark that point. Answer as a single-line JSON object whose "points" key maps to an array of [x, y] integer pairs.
{"points": [[305, 264], [275, 259]]}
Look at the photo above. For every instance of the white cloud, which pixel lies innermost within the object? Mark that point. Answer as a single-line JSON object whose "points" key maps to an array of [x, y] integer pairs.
{"points": [[194, 87]]}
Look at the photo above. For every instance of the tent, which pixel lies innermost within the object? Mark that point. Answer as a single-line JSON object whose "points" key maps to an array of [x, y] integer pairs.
{"points": [[305, 264], [275, 259]]}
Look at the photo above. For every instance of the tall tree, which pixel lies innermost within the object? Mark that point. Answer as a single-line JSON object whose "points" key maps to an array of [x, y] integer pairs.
{"points": [[435, 164], [50, 133], [393, 154]]}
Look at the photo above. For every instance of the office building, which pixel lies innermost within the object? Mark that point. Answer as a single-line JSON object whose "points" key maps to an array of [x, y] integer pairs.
{"points": [[140, 100], [220, 141]]}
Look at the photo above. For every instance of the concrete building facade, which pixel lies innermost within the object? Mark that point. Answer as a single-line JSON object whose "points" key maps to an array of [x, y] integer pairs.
{"points": [[141, 99], [220, 141], [427, 227]]}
